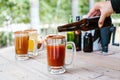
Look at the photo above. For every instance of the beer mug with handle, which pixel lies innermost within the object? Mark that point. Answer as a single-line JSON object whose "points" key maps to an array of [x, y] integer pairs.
{"points": [[56, 53]]}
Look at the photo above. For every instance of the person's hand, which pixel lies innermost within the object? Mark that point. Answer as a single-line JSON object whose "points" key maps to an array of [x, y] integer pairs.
{"points": [[102, 9]]}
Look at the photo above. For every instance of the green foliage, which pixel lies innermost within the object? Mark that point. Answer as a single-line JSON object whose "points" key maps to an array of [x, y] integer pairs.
{"points": [[116, 16], [65, 9], [52, 11], [84, 6], [3, 39], [18, 10]]}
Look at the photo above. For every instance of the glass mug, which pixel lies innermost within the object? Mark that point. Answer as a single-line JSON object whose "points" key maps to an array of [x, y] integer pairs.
{"points": [[32, 43], [56, 53], [21, 45]]}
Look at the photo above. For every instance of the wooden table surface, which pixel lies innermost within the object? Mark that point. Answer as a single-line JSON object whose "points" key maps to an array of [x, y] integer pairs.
{"points": [[87, 66]]}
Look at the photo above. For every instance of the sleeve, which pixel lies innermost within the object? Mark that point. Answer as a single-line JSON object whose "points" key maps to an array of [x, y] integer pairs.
{"points": [[116, 5]]}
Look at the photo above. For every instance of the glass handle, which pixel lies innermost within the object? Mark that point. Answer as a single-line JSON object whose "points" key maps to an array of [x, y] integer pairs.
{"points": [[73, 52], [40, 45]]}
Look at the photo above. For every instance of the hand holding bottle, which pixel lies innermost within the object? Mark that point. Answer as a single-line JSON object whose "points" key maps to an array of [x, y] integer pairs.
{"points": [[102, 9]]}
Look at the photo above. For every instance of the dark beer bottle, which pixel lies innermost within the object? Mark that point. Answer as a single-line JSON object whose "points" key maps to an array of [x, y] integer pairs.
{"points": [[85, 24], [87, 42], [77, 37]]}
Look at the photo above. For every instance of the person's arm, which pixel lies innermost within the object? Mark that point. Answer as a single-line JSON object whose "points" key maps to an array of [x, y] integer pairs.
{"points": [[116, 5]]}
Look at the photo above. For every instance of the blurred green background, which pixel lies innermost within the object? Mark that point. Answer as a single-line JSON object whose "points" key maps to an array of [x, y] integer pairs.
{"points": [[50, 11], [19, 10]]}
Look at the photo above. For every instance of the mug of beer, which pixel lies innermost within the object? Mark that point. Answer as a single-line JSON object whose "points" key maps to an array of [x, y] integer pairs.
{"points": [[32, 43], [21, 45], [56, 53]]}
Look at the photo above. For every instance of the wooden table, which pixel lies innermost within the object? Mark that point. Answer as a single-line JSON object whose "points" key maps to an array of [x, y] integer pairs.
{"points": [[87, 66]]}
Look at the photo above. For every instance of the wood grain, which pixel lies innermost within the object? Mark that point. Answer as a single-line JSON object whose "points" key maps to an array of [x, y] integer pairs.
{"points": [[87, 66]]}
